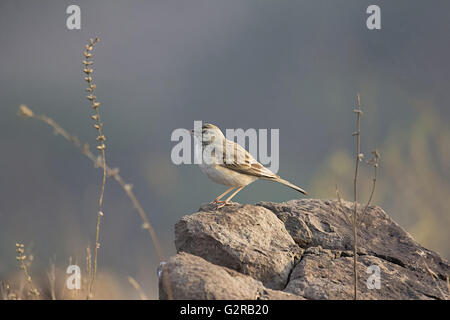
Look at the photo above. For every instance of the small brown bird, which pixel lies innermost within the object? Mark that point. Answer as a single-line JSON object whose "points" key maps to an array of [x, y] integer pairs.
{"points": [[230, 164]]}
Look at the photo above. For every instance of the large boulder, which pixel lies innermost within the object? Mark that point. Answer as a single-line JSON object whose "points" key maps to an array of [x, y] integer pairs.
{"points": [[194, 278], [298, 249], [245, 238]]}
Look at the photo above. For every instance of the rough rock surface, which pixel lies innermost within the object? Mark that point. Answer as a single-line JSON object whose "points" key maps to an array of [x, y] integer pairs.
{"points": [[301, 249], [248, 239], [194, 277]]}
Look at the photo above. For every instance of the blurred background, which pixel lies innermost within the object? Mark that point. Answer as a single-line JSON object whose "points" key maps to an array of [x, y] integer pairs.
{"points": [[293, 65]]}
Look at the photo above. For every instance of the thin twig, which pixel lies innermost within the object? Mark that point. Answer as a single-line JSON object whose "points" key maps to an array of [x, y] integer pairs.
{"points": [[138, 288], [21, 259], [88, 266], [356, 218], [434, 277], [52, 280], [101, 147], [338, 195], [448, 285], [6, 292], [375, 162], [359, 157]]}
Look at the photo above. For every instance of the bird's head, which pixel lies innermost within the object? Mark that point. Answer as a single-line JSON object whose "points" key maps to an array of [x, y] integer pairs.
{"points": [[208, 134]]}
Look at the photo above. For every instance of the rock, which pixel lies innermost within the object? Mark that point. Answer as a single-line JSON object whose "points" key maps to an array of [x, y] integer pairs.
{"points": [[301, 249], [324, 224], [248, 239], [321, 274], [192, 277]]}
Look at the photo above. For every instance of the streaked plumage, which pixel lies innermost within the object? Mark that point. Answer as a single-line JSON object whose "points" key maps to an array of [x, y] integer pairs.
{"points": [[228, 163]]}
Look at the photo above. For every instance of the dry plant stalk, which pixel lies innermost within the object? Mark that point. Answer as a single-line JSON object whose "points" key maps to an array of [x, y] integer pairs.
{"points": [[357, 218], [448, 285], [88, 264], [347, 218], [101, 147], [435, 279], [6, 292], [375, 163], [21, 257], [138, 288], [51, 274], [359, 157]]}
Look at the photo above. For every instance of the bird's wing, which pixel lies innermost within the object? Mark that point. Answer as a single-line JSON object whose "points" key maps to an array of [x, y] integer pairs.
{"points": [[236, 158]]}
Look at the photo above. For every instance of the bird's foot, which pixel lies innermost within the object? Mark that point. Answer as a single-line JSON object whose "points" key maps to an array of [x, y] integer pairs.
{"points": [[219, 203]]}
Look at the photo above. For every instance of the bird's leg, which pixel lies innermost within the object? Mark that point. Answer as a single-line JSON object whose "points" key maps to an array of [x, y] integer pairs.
{"points": [[224, 203], [222, 195], [234, 193]]}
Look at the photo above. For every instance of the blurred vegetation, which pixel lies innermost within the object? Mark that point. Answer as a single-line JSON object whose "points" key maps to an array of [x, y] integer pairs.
{"points": [[414, 181]]}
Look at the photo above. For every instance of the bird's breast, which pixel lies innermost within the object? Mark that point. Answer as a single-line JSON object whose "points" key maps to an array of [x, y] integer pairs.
{"points": [[226, 176]]}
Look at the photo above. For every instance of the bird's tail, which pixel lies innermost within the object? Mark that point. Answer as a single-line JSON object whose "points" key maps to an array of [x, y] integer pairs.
{"points": [[290, 185]]}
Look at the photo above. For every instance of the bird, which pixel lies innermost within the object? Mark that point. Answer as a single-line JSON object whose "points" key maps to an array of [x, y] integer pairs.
{"points": [[228, 163]]}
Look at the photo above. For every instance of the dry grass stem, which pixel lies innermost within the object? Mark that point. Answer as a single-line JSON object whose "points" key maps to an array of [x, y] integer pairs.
{"points": [[21, 259], [359, 157], [88, 63], [435, 277], [52, 280], [6, 292], [448, 285], [341, 205], [375, 162], [355, 218], [138, 288]]}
